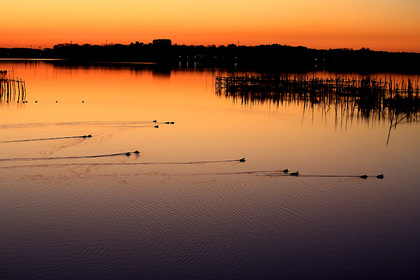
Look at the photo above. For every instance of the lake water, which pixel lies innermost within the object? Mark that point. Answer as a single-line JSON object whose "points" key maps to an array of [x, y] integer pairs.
{"points": [[186, 207]]}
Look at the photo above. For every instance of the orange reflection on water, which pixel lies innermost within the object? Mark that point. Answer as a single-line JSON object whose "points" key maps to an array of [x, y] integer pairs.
{"points": [[117, 106]]}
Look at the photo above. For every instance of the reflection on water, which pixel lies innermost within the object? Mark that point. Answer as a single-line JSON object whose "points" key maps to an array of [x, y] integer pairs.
{"points": [[11, 88], [349, 98], [186, 206]]}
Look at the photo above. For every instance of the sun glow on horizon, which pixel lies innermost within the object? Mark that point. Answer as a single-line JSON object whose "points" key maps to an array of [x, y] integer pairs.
{"points": [[380, 25]]}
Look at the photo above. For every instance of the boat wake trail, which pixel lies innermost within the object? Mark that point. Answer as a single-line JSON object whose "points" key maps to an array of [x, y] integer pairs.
{"points": [[281, 173], [45, 139], [71, 157], [186, 162], [105, 163], [84, 123]]}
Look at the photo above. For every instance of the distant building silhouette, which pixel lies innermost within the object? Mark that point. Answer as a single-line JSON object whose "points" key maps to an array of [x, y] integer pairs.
{"points": [[162, 42]]}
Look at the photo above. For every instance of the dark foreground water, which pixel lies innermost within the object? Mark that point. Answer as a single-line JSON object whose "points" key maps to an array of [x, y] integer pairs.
{"points": [[186, 207]]}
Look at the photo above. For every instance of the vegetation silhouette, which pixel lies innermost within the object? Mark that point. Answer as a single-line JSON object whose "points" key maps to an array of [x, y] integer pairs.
{"points": [[365, 98], [11, 88], [274, 57]]}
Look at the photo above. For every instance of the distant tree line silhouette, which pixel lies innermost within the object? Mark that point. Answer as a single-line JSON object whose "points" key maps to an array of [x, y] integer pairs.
{"points": [[273, 57]]}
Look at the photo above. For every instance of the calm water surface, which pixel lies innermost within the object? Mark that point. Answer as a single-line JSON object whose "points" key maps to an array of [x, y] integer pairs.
{"points": [[185, 207]]}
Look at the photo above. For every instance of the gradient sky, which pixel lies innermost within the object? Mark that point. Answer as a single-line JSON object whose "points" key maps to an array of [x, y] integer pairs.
{"points": [[391, 25]]}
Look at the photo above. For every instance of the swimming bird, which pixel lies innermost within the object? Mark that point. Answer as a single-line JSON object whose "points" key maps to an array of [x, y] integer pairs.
{"points": [[364, 176], [380, 176], [156, 126], [294, 173], [128, 154], [286, 170], [90, 135], [154, 121], [137, 152], [242, 160]]}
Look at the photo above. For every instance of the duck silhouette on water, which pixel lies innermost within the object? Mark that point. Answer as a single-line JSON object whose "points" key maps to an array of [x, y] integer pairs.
{"points": [[364, 176], [135, 152], [286, 170], [242, 160], [380, 176], [294, 173]]}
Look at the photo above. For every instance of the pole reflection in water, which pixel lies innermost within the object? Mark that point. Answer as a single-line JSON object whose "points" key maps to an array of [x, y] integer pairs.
{"points": [[11, 88], [350, 98]]}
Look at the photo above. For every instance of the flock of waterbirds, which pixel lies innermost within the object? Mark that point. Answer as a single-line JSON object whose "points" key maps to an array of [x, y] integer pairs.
{"points": [[157, 126], [137, 153], [286, 171]]}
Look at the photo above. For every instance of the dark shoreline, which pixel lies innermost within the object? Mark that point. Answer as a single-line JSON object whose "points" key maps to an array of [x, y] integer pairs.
{"points": [[262, 58]]}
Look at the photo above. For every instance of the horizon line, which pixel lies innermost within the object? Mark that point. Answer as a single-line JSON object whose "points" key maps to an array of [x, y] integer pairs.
{"points": [[208, 45]]}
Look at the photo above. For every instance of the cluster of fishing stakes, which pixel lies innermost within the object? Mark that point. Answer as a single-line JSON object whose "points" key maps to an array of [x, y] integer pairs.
{"points": [[11, 88]]}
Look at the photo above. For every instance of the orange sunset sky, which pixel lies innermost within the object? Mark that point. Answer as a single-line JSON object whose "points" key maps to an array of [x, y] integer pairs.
{"points": [[390, 25]]}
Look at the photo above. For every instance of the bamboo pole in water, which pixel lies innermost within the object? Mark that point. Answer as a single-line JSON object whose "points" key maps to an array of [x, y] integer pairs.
{"points": [[11, 89]]}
